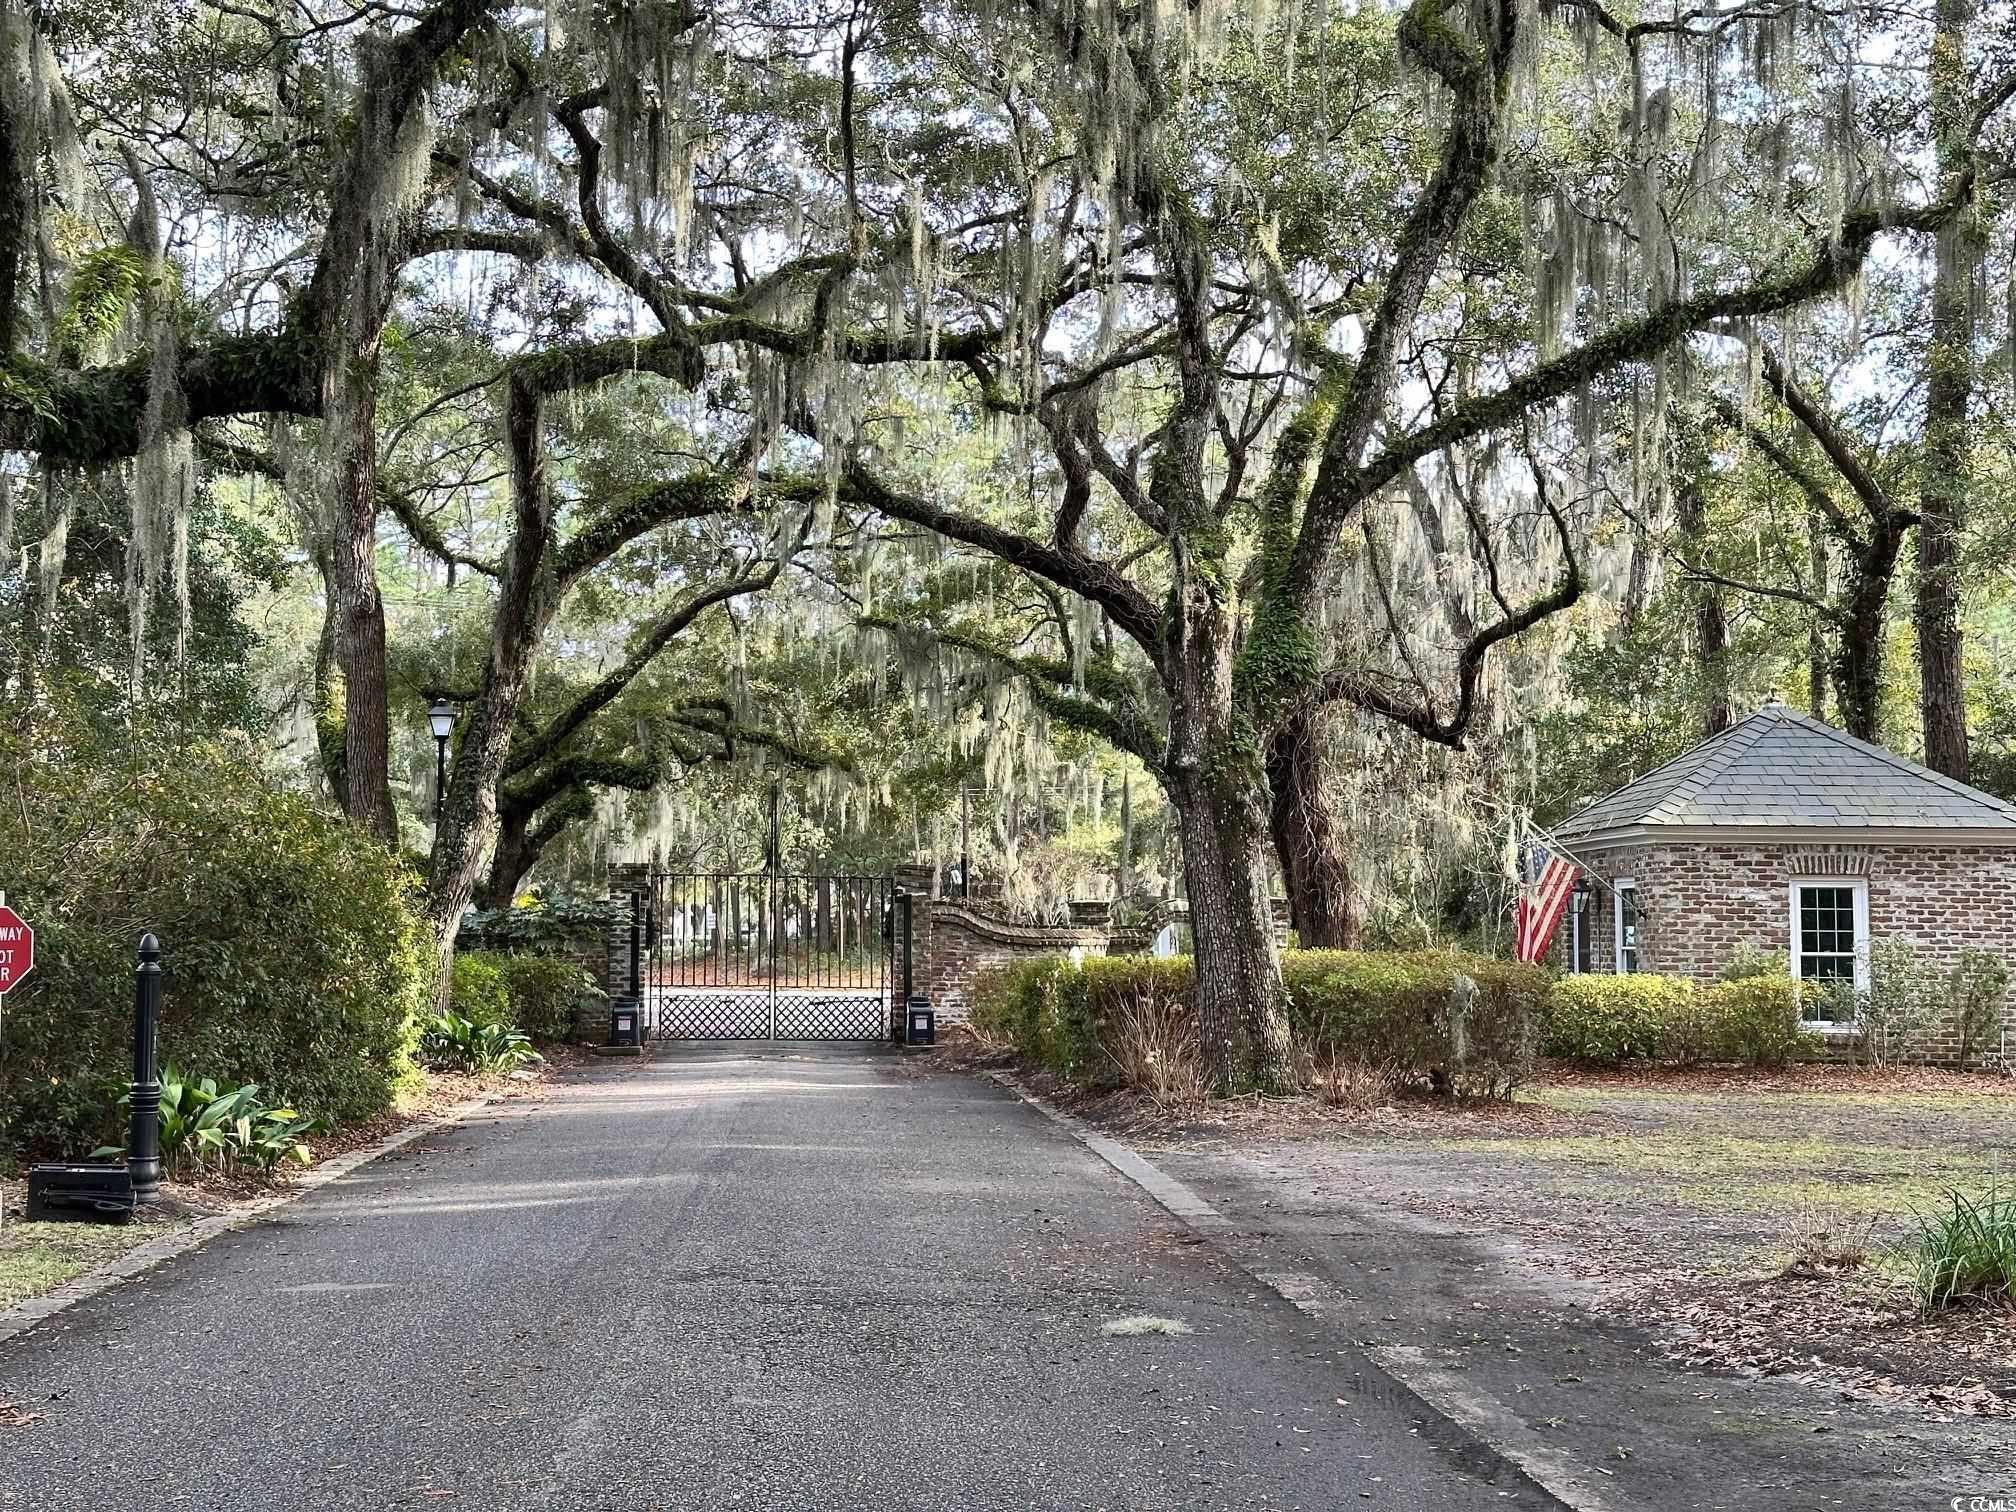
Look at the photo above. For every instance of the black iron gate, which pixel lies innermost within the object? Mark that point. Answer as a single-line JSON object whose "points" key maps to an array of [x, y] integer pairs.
{"points": [[768, 955]]}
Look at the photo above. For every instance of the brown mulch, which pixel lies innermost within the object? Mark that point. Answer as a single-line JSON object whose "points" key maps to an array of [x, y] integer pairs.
{"points": [[1848, 1332], [1803, 1077], [1124, 1110]]}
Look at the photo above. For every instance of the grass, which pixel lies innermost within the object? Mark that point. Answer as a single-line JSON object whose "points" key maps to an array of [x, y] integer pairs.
{"points": [[1764, 1173], [36, 1258], [1858, 1152], [1964, 1252]]}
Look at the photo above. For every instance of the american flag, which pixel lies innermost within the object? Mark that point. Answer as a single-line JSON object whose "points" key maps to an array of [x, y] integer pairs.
{"points": [[1545, 883]]}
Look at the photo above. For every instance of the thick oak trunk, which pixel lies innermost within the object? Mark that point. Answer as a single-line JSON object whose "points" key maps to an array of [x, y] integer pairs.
{"points": [[1325, 907], [512, 858], [357, 609], [1864, 618], [1240, 1013]]}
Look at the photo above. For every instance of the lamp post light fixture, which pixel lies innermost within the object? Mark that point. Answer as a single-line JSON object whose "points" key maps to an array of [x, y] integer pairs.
{"points": [[441, 719], [1582, 894]]}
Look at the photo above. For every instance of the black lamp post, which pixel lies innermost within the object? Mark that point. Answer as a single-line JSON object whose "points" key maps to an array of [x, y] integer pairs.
{"points": [[441, 719]]}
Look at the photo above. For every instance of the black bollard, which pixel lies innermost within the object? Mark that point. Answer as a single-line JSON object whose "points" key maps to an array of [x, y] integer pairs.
{"points": [[143, 1135]]}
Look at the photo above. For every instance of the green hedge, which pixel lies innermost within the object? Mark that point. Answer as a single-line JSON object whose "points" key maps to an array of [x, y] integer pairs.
{"points": [[534, 994], [1462, 1023], [1611, 1020], [291, 956], [544, 992], [478, 989]]}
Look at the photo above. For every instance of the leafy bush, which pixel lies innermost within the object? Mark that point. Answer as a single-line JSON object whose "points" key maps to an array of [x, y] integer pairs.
{"points": [[1903, 1001], [1607, 1020], [1967, 1253], [478, 989], [1749, 960], [1463, 1023], [544, 992], [546, 924], [1466, 1024], [290, 956], [1976, 989], [200, 1123], [1610, 1020], [1756, 1019], [451, 1042]]}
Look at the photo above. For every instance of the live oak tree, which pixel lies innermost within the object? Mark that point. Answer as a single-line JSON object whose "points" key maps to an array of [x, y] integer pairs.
{"points": [[1222, 285], [1633, 269]]}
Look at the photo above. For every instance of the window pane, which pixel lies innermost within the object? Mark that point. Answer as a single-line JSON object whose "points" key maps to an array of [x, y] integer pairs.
{"points": [[1825, 919]]}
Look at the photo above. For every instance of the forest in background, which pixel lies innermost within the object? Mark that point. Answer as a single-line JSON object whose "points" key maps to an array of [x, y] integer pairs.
{"points": [[1237, 449]]}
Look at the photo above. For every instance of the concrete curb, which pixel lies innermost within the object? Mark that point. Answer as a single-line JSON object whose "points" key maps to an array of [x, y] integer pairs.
{"points": [[1440, 1392], [23, 1316]]}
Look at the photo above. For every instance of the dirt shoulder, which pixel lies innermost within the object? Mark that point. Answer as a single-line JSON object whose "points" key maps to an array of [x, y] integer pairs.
{"points": [[1612, 1261]]}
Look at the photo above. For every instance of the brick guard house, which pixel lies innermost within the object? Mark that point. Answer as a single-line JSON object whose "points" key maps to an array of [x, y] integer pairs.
{"points": [[1791, 836]]}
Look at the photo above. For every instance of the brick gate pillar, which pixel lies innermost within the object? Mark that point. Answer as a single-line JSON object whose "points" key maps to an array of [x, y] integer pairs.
{"points": [[629, 889]]}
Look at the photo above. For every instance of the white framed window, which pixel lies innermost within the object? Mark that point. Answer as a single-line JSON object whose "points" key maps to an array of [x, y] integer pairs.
{"points": [[1624, 919], [1830, 938]]}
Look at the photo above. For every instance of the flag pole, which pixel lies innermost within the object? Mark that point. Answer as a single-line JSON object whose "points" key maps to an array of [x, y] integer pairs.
{"points": [[1587, 870]]}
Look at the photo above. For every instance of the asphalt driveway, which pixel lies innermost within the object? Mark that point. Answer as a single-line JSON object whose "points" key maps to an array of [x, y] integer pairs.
{"points": [[781, 1280]]}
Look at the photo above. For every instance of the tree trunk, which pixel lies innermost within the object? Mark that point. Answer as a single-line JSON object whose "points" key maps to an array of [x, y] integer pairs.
{"points": [[509, 862], [1711, 620], [1949, 387], [524, 604], [1240, 1015], [356, 606], [1324, 904], [327, 693], [1858, 659]]}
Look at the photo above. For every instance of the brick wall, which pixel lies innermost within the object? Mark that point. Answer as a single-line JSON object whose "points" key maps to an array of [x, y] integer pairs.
{"points": [[1698, 902], [957, 939]]}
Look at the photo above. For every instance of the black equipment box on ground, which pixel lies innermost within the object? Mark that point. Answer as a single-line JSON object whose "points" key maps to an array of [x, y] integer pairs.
{"points": [[79, 1193]]}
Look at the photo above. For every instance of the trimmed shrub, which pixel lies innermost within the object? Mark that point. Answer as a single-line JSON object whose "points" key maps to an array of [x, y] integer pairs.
{"points": [[1613, 1020], [1465, 1024], [290, 956], [1004, 1000], [478, 989], [1756, 1020], [544, 992], [1607, 1020]]}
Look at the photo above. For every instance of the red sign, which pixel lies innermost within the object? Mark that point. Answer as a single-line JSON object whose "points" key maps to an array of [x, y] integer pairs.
{"points": [[17, 949]]}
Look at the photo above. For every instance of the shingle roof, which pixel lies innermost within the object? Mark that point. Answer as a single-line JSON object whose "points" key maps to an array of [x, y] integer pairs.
{"points": [[1779, 768]]}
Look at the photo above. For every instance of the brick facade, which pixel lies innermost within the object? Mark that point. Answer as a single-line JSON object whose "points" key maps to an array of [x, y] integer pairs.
{"points": [[957, 938], [1697, 902]]}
